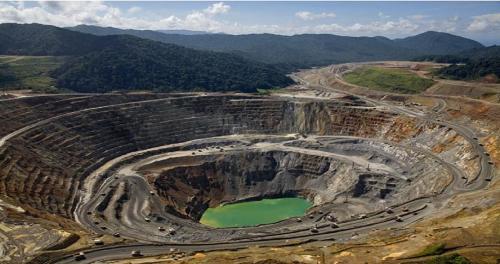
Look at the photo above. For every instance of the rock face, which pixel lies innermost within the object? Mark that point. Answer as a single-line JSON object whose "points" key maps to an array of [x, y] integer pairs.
{"points": [[243, 175], [376, 185], [323, 173], [52, 143]]}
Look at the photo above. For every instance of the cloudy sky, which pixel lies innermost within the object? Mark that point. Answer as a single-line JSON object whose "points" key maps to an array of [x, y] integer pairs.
{"points": [[477, 20]]}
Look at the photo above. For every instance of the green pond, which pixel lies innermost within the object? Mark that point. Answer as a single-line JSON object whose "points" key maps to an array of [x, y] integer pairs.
{"points": [[254, 213]]}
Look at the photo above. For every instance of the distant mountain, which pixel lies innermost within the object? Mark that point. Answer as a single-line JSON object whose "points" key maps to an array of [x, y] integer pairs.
{"points": [[149, 34], [183, 32], [301, 50], [36, 39], [107, 31], [111, 58], [438, 43], [124, 62], [311, 49]]}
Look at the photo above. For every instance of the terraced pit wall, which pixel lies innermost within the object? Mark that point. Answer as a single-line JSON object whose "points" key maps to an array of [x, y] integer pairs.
{"points": [[205, 182], [45, 167]]}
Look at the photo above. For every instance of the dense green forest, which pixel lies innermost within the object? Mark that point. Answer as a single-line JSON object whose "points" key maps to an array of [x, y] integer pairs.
{"points": [[123, 62], [472, 70], [135, 63], [432, 42], [43, 40], [113, 59], [468, 65], [464, 56], [306, 50]]}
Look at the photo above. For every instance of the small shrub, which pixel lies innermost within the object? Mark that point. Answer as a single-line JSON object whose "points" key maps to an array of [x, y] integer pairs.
{"points": [[449, 259], [434, 249]]}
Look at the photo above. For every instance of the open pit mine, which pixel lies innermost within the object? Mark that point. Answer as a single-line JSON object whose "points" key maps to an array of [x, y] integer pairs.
{"points": [[145, 167]]}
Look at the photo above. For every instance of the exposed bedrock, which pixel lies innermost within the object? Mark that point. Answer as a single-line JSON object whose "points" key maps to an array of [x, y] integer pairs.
{"points": [[243, 175], [45, 165], [189, 188]]}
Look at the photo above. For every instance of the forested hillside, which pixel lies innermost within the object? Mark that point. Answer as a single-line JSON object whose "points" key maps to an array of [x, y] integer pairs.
{"points": [[469, 65], [473, 69], [36, 39], [124, 62], [306, 50], [135, 63], [438, 43], [116, 59]]}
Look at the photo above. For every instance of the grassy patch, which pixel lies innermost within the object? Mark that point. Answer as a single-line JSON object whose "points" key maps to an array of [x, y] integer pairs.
{"points": [[434, 249], [28, 72], [449, 259], [388, 80]]}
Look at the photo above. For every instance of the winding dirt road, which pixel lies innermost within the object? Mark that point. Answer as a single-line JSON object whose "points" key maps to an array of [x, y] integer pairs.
{"points": [[132, 223]]}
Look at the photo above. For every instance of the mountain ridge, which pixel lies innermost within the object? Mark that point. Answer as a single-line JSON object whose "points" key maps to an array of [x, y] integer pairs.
{"points": [[290, 52], [124, 62], [214, 62], [431, 41], [306, 50]]}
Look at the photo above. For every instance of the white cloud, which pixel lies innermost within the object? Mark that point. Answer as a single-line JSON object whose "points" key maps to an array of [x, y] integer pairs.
{"points": [[372, 28], [209, 19], [449, 24], [417, 17], [204, 20], [306, 15], [103, 14], [62, 13], [397, 27], [488, 22], [217, 8], [134, 10]]}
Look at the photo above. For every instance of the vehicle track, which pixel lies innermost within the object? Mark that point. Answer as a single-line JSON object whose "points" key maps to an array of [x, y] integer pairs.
{"points": [[346, 229], [127, 225]]}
